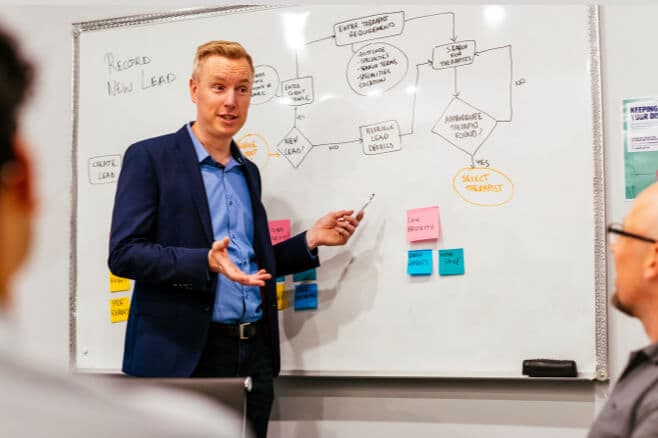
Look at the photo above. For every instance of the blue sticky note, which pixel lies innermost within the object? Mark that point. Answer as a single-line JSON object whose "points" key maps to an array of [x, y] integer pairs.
{"points": [[419, 262], [309, 275], [280, 279], [451, 261], [306, 296]]}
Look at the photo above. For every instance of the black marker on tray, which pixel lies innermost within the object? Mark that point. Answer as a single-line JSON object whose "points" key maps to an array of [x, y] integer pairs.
{"points": [[549, 368]]}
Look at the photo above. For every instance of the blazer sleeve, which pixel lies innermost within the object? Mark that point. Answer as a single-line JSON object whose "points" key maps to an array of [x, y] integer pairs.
{"points": [[292, 255], [134, 252]]}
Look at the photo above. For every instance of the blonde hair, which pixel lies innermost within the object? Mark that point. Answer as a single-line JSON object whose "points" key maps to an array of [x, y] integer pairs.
{"points": [[227, 49]]}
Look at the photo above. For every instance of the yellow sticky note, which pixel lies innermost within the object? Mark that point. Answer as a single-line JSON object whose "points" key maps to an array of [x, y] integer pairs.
{"points": [[281, 297], [119, 308], [118, 284]]}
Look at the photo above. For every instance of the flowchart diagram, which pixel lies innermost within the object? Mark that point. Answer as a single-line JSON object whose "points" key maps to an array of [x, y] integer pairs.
{"points": [[436, 109], [376, 65]]}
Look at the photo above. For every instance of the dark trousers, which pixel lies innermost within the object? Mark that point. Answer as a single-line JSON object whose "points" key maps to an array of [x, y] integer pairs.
{"points": [[225, 355]]}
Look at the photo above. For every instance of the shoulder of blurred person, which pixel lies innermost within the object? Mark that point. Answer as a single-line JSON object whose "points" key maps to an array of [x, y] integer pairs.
{"points": [[36, 402]]}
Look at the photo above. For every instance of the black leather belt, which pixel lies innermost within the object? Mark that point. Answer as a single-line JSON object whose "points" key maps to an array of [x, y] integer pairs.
{"points": [[243, 331]]}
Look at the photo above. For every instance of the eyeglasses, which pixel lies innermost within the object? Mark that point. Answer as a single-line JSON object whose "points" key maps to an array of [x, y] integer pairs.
{"points": [[619, 229]]}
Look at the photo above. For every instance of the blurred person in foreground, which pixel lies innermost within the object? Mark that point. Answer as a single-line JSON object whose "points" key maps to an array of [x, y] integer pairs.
{"points": [[632, 409], [39, 403]]}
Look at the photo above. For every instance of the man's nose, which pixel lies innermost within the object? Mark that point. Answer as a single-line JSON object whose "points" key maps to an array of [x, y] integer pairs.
{"points": [[230, 98]]}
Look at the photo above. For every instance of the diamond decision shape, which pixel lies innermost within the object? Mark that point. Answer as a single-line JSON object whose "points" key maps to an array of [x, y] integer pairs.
{"points": [[294, 147], [464, 126]]}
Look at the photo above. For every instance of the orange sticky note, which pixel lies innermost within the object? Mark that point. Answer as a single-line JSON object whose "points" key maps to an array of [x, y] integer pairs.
{"points": [[279, 230], [423, 224]]}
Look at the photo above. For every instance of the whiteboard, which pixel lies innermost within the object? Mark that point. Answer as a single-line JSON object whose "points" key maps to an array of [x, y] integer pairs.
{"points": [[483, 112]]}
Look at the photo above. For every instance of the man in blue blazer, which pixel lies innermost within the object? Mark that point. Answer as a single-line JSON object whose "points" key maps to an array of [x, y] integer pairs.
{"points": [[188, 208]]}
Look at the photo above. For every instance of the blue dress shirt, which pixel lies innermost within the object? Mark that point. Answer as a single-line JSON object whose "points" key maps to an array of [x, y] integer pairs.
{"points": [[231, 216]]}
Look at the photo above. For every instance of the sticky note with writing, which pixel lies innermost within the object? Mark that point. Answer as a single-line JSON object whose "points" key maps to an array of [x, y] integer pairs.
{"points": [[118, 284], [119, 309], [451, 261], [419, 262], [309, 275], [281, 296], [306, 296], [423, 224], [279, 230]]}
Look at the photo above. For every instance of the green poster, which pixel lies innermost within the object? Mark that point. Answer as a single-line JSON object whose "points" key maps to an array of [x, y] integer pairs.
{"points": [[640, 144]]}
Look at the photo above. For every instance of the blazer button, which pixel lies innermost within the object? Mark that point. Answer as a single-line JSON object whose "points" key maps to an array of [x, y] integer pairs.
{"points": [[206, 309]]}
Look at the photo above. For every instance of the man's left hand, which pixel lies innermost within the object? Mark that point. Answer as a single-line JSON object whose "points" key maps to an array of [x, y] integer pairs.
{"points": [[220, 262]]}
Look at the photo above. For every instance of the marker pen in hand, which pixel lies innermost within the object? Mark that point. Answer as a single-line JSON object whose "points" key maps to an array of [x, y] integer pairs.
{"points": [[365, 204]]}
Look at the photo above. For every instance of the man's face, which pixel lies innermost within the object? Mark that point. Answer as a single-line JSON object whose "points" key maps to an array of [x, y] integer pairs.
{"points": [[221, 90], [16, 212], [630, 255]]}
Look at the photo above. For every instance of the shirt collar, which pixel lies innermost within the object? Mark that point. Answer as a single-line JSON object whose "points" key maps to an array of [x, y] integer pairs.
{"points": [[237, 159], [638, 357], [651, 352]]}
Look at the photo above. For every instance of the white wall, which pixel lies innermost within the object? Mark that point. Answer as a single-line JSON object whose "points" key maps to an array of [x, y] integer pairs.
{"points": [[325, 407]]}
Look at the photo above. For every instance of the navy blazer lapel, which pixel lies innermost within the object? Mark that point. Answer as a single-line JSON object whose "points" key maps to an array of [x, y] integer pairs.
{"points": [[191, 174], [253, 182], [250, 174]]}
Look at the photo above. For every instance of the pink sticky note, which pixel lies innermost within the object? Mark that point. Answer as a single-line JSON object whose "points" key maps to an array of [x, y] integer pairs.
{"points": [[423, 224], [279, 230]]}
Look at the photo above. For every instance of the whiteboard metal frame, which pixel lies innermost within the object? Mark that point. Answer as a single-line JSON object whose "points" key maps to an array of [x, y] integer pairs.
{"points": [[600, 249], [600, 252]]}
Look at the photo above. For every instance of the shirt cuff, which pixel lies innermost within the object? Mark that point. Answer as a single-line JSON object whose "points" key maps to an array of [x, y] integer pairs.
{"points": [[312, 253]]}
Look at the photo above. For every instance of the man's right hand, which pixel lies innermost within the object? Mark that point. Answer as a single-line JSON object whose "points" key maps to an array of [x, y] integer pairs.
{"points": [[220, 262]]}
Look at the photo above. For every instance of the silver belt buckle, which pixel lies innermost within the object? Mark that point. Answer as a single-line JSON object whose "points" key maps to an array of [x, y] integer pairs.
{"points": [[242, 326]]}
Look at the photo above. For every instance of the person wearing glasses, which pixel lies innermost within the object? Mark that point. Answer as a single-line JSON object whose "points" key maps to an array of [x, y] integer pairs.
{"points": [[632, 409], [39, 402]]}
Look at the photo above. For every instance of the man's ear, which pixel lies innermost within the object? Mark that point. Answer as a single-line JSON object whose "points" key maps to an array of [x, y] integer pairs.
{"points": [[193, 89], [651, 267], [20, 175]]}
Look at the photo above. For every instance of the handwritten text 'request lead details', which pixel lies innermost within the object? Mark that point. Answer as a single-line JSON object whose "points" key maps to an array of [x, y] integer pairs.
{"points": [[128, 75]]}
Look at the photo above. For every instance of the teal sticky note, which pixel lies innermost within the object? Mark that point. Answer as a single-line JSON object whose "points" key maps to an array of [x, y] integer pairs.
{"points": [[306, 296], [309, 275], [419, 262], [451, 261], [280, 279]]}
